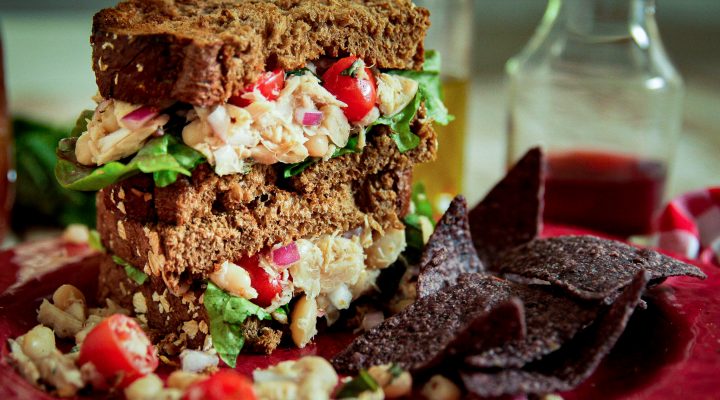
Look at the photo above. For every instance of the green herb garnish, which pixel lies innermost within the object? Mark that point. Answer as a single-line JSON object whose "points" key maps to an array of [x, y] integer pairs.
{"points": [[133, 273], [363, 382]]}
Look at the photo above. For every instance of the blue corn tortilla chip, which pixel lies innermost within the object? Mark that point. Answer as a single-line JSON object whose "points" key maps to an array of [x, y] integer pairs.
{"points": [[449, 252], [552, 319], [426, 333], [572, 363], [511, 213], [589, 267]]}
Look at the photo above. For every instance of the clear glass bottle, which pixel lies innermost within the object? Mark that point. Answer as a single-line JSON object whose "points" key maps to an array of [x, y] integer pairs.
{"points": [[596, 89]]}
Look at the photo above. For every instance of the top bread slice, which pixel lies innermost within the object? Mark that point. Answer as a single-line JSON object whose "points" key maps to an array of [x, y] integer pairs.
{"points": [[202, 52]]}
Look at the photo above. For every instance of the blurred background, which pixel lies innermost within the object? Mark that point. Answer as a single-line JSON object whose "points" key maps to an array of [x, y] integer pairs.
{"points": [[49, 81]]}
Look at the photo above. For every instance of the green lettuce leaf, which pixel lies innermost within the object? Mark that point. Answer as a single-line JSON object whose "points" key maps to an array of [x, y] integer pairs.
{"points": [[227, 313], [429, 93], [164, 157], [81, 123], [133, 273]]}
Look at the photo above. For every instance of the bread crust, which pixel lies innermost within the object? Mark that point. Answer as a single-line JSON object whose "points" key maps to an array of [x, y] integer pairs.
{"points": [[203, 52]]}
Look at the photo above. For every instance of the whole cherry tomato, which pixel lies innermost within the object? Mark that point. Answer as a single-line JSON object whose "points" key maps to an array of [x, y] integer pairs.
{"points": [[266, 286], [223, 385], [353, 84], [118, 347], [269, 84]]}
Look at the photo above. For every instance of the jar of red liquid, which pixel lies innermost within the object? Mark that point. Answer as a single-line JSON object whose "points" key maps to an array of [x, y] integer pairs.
{"points": [[596, 89]]}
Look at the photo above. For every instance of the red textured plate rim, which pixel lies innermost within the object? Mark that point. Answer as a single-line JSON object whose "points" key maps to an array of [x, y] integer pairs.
{"points": [[670, 352]]}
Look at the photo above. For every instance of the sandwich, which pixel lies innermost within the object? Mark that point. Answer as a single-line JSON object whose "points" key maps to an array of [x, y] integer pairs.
{"points": [[253, 161]]}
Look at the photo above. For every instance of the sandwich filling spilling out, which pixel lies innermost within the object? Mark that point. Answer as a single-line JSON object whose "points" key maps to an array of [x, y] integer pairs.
{"points": [[291, 118]]}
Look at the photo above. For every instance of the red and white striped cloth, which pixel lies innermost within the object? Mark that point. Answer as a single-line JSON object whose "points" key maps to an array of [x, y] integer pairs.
{"points": [[690, 226]]}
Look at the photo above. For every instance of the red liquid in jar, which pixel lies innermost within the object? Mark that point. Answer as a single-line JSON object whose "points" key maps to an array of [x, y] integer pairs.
{"points": [[613, 193]]}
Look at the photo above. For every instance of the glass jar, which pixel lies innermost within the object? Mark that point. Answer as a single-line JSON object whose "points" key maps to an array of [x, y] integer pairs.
{"points": [[596, 89]]}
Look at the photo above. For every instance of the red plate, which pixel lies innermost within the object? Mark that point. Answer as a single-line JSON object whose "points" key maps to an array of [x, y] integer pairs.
{"points": [[669, 351]]}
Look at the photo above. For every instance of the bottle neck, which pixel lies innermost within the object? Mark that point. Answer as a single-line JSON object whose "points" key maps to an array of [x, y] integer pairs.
{"points": [[602, 18]]}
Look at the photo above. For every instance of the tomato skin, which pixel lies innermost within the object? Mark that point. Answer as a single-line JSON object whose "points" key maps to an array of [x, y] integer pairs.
{"points": [[223, 385], [104, 347], [266, 286], [358, 93], [269, 84]]}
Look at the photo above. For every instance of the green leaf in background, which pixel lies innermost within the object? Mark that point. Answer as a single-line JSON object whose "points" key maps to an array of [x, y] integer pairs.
{"points": [[157, 156], [133, 273], [227, 313], [39, 198]]}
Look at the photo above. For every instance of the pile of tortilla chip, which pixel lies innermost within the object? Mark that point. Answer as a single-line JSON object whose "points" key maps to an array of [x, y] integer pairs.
{"points": [[505, 312]]}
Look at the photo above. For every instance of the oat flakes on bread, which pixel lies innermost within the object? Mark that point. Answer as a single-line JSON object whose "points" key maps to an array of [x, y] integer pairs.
{"points": [[203, 52]]}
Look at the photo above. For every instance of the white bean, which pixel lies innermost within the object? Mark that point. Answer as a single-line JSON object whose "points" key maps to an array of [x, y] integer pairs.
{"points": [[317, 145], [303, 323], [440, 388], [145, 388], [262, 155], [39, 342], [66, 295]]}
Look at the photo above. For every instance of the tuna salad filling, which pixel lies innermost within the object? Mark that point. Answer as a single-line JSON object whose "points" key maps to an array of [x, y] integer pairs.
{"points": [[291, 118]]}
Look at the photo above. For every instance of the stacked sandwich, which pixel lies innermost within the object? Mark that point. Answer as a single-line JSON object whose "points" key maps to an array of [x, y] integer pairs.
{"points": [[253, 160]]}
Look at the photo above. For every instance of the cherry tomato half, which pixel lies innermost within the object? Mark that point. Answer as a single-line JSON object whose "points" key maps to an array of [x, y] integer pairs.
{"points": [[266, 286], [224, 385], [117, 346], [269, 84], [344, 80]]}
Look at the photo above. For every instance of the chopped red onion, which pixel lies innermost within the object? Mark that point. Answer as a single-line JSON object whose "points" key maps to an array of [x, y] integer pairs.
{"points": [[312, 118], [286, 255], [137, 118]]}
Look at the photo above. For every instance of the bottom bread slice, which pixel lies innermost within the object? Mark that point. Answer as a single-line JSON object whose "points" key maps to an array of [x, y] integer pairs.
{"points": [[176, 323]]}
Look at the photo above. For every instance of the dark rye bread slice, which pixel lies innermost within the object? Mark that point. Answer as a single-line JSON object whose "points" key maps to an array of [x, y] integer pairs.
{"points": [[205, 193], [589, 267], [203, 52], [174, 322]]}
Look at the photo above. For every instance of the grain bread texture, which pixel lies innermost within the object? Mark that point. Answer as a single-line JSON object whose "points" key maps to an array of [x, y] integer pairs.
{"points": [[175, 322], [277, 213], [203, 52]]}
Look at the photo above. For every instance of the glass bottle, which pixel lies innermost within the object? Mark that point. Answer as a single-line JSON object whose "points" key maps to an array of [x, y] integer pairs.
{"points": [[596, 89]]}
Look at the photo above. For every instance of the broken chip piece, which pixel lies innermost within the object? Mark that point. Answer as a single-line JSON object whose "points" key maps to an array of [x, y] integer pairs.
{"points": [[589, 267], [552, 318], [572, 363], [511, 213], [420, 337], [449, 252]]}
